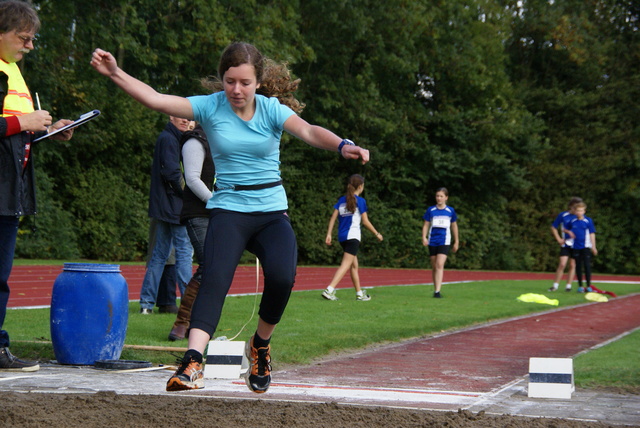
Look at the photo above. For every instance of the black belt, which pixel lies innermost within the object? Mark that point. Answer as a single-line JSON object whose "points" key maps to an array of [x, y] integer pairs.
{"points": [[249, 187]]}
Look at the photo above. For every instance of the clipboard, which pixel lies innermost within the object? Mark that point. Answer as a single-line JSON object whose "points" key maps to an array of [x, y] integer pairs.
{"points": [[80, 121]]}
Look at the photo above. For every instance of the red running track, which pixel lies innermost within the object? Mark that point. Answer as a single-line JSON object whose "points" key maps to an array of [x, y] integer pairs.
{"points": [[32, 285]]}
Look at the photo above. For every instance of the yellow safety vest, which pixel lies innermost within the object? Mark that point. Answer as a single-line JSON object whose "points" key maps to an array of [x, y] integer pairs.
{"points": [[18, 99]]}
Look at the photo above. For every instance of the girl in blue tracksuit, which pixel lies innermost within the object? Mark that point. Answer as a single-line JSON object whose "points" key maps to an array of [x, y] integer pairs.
{"points": [[351, 212], [440, 234]]}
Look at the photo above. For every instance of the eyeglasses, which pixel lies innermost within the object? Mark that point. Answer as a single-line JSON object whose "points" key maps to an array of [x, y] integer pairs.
{"points": [[26, 40]]}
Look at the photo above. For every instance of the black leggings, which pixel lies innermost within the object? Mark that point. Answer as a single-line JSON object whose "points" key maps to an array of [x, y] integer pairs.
{"points": [[267, 235], [583, 259]]}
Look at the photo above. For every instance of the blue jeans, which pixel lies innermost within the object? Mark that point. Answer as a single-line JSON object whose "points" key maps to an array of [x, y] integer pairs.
{"points": [[8, 235], [167, 235], [197, 230]]}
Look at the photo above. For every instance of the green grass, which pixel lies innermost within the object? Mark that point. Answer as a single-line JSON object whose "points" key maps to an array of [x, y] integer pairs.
{"points": [[313, 328], [614, 366]]}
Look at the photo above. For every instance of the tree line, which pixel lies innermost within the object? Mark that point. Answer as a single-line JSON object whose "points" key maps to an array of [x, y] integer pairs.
{"points": [[514, 106]]}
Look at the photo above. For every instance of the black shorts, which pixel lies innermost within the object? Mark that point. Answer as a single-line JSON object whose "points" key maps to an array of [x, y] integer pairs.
{"points": [[565, 251], [351, 246], [440, 249]]}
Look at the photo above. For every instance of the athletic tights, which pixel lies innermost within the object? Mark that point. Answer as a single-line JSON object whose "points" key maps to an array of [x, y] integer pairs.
{"points": [[267, 235]]}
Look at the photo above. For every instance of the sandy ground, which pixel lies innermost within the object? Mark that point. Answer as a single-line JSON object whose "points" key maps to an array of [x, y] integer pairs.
{"points": [[110, 409]]}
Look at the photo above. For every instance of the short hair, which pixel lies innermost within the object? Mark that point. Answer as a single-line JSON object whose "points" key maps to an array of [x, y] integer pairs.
{"points": [[18, 16], [574, 201], [580, 205]]}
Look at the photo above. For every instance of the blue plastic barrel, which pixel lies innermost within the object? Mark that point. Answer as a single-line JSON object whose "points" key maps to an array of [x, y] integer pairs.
{"points": [[89, 313]]}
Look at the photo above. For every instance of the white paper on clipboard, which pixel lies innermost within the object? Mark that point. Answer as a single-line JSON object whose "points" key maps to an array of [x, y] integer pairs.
{"points": [[81, 120]]}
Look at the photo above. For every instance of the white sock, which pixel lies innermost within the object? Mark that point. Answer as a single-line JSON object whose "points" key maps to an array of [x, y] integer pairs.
{"points": [[359, 293], [330, 289], [568, 287], [555, 285]]}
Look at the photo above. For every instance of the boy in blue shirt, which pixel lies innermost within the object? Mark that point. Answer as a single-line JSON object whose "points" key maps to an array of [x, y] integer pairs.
{"points": [[565, 239], [584, 243]]}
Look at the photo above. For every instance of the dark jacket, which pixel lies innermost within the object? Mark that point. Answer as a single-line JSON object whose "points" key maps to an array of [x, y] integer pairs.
{"points": [[192, 205], [17, 185], [165, 196]]}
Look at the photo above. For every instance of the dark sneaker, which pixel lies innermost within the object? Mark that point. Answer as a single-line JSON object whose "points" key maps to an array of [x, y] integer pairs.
{"points": [[437, 295], [553, 289], [12, 363], [146, 311], [258, 377], [168, 309], [188, 376]]}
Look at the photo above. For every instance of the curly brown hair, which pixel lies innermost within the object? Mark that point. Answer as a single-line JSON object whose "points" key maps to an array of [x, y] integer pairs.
{"points": [[274, 78]]}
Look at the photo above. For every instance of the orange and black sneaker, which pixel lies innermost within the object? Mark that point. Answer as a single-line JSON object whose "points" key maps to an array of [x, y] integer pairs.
{"points": [[258, 377], [188, 376]]}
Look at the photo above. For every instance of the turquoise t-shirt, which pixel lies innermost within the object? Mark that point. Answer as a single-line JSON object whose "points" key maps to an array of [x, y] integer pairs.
{"points": [[244, 152]]}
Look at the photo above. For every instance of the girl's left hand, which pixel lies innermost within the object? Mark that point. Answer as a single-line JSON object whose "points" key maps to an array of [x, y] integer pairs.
{"points": [[355, 152]]}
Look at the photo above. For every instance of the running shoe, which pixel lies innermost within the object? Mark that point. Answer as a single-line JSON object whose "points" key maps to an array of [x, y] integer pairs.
{"points": [[553, 289], [364, 298], [188, 376], [329, 295], [258, 376]]}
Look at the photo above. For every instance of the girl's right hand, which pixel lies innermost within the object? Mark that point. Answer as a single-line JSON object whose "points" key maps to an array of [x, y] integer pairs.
{"points": [[327, 240]]}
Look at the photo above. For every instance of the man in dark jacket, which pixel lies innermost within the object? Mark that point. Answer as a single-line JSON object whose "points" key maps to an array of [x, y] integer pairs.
{"points": [[19, 126], [165, 205]]}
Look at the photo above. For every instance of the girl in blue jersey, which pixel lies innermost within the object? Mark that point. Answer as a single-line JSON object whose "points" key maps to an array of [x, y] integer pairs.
{"points": [[351, 212], [439, 230], [249, 205]]}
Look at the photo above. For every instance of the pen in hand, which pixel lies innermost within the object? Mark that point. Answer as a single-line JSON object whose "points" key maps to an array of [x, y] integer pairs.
{"points": [[38, 101]]}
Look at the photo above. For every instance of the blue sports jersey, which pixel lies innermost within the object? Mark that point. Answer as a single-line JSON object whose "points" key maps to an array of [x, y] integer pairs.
{"points": [[245, 152], [583, 230], [348, 222], [562, 220], [440, 219]]}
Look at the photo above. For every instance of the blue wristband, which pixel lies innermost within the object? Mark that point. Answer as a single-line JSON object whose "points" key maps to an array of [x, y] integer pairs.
{"points": [[343, 142]]}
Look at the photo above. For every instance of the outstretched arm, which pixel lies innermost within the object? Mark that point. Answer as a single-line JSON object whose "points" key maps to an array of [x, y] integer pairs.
{"points": [[322, 138], [106, 64]]}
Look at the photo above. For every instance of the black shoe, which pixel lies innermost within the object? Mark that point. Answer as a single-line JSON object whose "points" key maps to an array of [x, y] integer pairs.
{"points": [[11, 363], [168, 309], [258, 377], [437, 295]]}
